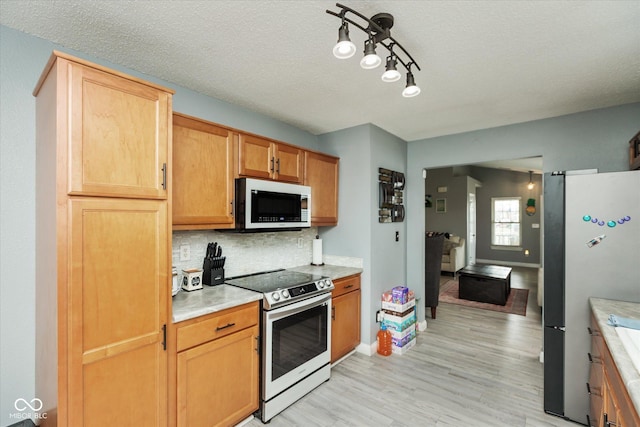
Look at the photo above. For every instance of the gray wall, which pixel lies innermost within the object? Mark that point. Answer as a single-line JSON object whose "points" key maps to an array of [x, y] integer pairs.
{"points": [[592, 139], [454, 220], [362, 150], [22, 59], [503, 183]]}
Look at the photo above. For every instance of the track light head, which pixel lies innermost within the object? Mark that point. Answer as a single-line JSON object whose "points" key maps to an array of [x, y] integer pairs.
{"points": [[411, 89], [344, 48], [391, 74], [370, 60]]}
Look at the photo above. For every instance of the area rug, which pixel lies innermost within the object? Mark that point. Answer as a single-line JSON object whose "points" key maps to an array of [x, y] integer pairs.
{"points": [[516, 303]]}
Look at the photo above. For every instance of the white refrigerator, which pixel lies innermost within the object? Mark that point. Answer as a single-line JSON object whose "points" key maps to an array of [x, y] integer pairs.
{"points": [[592, 249]]}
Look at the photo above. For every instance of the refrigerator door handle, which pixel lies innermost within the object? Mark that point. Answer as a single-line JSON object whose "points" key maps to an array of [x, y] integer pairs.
{"points": [[559, 328]]}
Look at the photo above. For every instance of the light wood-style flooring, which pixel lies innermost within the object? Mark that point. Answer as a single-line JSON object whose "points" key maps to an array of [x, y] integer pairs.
{"points": [[470, 367]]}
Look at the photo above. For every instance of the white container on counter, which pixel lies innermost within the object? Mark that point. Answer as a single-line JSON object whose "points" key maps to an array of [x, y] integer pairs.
{"points": [[192, 279]]}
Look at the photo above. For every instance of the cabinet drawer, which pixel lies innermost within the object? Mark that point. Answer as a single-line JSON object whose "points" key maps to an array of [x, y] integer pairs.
{"points": [[346, 284], [213, 326], [597, 342]]}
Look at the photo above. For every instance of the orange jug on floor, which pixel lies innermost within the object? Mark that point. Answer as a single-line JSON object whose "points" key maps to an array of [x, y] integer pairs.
{"points": [[384, 340]]}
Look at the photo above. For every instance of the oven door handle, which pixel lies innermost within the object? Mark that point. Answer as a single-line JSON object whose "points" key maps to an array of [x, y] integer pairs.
{"points": [[298, 307]]}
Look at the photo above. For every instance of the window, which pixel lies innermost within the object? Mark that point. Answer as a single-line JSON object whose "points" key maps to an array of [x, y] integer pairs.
{"points": [[505, 221]]}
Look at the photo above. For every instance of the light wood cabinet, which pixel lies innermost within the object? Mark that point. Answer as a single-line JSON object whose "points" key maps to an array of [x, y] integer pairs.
{"points": [[217, 367], [345, 325], [263, 158], [118, 134], [203, 175], [609, 401], [102, 263], [321, 174]]}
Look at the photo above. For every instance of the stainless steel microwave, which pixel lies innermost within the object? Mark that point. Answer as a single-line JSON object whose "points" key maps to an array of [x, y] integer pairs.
{"points": [[270, 205]]}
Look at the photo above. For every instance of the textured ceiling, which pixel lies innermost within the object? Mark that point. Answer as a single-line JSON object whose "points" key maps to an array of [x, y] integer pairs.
{"points": [[483, 63]]}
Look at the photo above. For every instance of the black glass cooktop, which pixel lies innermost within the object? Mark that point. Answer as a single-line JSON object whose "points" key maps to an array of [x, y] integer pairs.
{"points": [[271, 281]]}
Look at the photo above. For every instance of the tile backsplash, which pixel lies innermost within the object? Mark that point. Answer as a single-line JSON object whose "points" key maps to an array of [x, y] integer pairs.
{"points": [[246, 252]]}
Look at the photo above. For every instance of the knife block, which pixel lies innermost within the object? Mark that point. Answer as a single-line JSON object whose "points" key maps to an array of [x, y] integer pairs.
{"points": [[213, 271]]}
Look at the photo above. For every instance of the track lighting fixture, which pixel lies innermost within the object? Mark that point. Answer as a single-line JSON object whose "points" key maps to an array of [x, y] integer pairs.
{"points": [[378, 31]]}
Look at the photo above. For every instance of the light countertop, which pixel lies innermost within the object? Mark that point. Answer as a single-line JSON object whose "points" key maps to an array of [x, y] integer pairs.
{"points": [[602, 308], [211, 299]]}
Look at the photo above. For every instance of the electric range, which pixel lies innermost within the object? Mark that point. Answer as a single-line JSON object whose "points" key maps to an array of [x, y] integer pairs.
{"points": [[282, 287]]}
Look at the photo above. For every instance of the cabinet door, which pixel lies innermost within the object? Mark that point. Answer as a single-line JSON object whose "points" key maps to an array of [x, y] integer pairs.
{"points": [[202, 184], [119, 133], [118, 296], [321, 174], [289, 163], [218, 381], [345, 325], [255, 157]]}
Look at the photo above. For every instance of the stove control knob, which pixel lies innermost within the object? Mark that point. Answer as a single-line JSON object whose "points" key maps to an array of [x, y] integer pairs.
{"points": [[275, 296], [327, 282], [321, 284], [285, 293]]}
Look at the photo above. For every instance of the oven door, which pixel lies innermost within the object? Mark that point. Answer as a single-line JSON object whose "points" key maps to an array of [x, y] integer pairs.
{"points": [[296, 343]]}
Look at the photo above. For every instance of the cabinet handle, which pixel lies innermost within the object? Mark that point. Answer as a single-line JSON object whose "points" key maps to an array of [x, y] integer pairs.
{"points": [[258, 344], [278, 163], [595, 392], [228, 325], [333, 312], [592, 332], [589, 421], [608, 423], [232, 206], [594, 359], [273, 159], [164, 337], [164, 176], [348, 286]]}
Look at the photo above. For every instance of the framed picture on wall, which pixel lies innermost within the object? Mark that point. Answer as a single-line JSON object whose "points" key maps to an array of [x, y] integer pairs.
{"points": [[441, 205]]}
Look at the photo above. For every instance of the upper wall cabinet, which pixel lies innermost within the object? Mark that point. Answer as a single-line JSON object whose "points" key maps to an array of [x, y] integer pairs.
{"points": [[202, 174], [266, 159], [321, 174], [118, 131]]}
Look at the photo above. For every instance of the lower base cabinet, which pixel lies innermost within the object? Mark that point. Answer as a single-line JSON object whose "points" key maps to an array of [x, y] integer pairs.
{"points": [[345, 324], [610, 404], [217, 366]]}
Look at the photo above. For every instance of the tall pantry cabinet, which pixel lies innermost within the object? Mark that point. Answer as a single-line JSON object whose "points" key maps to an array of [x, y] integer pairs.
{"points": [[102, 246]]}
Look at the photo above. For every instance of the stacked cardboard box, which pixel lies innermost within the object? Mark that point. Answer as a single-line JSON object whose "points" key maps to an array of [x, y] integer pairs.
{"points": [[399, 315]]}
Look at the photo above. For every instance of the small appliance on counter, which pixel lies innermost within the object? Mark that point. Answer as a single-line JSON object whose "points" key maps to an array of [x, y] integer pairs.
{"points": [[175, 285], [192, 279], [213, 266]]}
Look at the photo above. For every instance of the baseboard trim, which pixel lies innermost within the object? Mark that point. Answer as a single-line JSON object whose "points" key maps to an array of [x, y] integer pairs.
{"points": [[508, 263], [367, 349]]}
